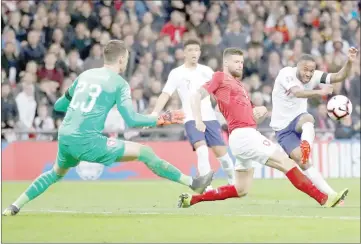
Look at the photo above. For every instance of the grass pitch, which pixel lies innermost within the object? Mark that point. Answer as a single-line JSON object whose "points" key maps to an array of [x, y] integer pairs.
{"points": [[145, 211]]}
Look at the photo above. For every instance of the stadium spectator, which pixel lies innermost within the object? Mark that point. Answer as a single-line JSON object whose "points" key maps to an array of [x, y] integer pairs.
{"points": [[9, 61], [9, 111], [235, 37], [49, 70], [43, 123], [95, 60], [272, 34], [174, 28], [26, 105]]}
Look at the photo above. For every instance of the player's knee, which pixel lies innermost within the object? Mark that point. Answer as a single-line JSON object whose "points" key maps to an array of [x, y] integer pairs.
{"points": [[219, 151], [199, 144], [146, 153], [307, 118], [59, 171]]}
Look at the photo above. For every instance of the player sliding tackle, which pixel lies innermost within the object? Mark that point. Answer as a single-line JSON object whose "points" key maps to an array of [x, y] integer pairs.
{"points": [[294, 126], [186, 79], [246, 143], [87, 103]]}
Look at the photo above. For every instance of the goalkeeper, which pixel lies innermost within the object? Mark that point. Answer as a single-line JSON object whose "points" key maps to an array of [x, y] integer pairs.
{"points": [[87, 103]]}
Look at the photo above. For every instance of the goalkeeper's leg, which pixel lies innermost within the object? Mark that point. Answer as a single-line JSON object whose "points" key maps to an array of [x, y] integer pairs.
{"points": [[41, 184], [135, 151]]}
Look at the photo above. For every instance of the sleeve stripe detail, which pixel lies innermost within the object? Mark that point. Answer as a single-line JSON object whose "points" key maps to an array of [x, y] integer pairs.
{"points": [[323, 78], [67, 95]]}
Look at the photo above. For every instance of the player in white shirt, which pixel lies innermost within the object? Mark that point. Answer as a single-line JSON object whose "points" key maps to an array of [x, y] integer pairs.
{"points": [[293, 125], [187, 79]]}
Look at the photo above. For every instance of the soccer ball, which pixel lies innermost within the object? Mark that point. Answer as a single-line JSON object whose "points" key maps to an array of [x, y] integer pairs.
{"points": [[338, 107]]}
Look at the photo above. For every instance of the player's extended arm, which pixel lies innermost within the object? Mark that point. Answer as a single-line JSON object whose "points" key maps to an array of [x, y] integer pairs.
{"points": [[196, 100], [346, 69], [161, 102], [300, 93], [134, 119], [62, 104]]}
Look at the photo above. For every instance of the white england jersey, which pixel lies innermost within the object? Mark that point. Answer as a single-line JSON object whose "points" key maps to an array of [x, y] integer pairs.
{"points": [[187, 82], [285, 106]]}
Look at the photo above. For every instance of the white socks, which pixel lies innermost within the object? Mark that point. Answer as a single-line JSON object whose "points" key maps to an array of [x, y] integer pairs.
{"points": [[308, 133], [204, 166], [228, 167], [318, 180]]}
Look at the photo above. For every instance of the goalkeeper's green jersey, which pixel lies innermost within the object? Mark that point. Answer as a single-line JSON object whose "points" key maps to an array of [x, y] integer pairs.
{"points": [[91, 97]]}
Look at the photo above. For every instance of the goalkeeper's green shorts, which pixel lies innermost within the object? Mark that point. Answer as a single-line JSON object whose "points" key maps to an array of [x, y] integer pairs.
{"points": [[102, 150]]}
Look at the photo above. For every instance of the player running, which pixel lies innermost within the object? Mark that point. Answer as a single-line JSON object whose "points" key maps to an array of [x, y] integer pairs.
{"points": [[293, 125], [186, 79], [246, 143], [87, 103]]}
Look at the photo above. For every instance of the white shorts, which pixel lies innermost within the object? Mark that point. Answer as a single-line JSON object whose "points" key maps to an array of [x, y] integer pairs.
{"points": [[249, 146]]}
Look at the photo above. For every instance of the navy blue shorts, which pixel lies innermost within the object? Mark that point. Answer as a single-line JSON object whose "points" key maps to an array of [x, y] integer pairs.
{"points": [[212, 136], [289, 138]]}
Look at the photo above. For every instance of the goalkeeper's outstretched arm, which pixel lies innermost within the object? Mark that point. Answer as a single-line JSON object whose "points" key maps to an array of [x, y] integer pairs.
{"points": [[62, 104], [134, 119]]}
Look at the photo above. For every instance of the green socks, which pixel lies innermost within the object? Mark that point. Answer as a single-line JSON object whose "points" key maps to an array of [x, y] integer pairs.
{"points": [[37, 187], [162, 168]]}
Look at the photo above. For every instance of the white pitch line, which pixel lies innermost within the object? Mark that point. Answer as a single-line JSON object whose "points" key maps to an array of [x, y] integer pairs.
{"points": [[126, 212]]}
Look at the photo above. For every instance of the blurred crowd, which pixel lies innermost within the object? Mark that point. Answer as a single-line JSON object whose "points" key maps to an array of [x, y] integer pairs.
{"points": [[47, 44]]}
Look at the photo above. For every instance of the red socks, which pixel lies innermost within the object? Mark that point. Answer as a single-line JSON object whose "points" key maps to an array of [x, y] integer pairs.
{"points": [[299, 180], [220, 193], [302, 183]]}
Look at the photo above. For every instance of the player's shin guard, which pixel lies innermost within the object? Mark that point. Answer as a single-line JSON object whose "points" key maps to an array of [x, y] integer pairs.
{"points": [[308, 133], [221, 193], [228, 167], [302, 183], [38, 186], [162, 168], [204, 167]]}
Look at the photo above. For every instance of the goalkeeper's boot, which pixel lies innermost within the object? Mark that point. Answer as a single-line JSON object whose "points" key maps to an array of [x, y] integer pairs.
{"points": [[306, 150], [335, 199], [200, 183], [184, 200], [11, 210]]}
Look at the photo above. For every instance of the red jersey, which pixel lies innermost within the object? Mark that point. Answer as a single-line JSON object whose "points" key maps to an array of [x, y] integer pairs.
{"points": [[233, 100]]}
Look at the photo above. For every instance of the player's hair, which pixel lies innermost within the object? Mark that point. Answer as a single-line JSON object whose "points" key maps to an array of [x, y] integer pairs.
{"points": [[306, 57], [113, 50], [232, 51], [191, 42]]}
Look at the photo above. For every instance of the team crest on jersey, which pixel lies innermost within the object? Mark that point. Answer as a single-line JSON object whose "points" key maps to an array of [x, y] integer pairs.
{"points": [[111, 142], [266, 143], [89, 171]]}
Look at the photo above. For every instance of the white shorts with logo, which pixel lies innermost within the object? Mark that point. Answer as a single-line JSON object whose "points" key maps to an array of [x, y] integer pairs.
{"points": [[249, 146]]}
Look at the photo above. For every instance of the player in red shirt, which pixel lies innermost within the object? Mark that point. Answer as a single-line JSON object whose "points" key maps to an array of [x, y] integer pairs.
{"points": [[247, 144]]}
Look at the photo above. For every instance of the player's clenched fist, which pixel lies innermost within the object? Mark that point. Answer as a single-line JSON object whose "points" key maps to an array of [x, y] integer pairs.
{"points": [[352, 54], [171, 117], [200, 126]]}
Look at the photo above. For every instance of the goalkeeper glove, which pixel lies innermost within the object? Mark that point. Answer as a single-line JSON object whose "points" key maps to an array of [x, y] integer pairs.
{"points": [[171, 117]]}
